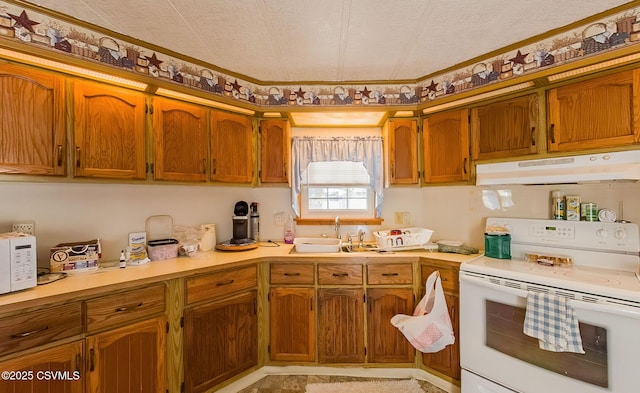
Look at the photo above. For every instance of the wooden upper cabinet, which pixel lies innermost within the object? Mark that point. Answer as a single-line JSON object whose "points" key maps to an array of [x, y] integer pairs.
{"points": [[231, 147], [180, 141], [446, 147], [596, 113], [403, 151], [109, 132], [32, 129], [504, 129], [275, 150]]}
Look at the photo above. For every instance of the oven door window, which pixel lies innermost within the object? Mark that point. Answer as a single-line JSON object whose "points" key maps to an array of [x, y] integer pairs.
{"points": [[504, 334]]}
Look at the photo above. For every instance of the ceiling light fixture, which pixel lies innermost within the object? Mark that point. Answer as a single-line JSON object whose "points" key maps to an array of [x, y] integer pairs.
{"points": [[71, 69], [272, 114], [594, 67], [478, 97], [403, 114], [335, 119], [202, 101]]}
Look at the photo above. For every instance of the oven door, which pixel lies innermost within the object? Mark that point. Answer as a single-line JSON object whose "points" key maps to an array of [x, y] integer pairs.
{"points": [[493, 346]]}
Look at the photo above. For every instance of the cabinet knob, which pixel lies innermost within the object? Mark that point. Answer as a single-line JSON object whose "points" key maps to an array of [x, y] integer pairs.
{"points": [[533, 136], [59, 155], [552, 133], [78, 156]]}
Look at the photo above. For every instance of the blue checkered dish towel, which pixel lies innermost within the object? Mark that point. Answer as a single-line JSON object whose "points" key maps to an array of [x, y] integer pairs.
{"points": [[553, 321]]}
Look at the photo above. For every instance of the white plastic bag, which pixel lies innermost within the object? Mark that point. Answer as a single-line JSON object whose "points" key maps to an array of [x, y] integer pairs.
{"points": [[429, 329]]}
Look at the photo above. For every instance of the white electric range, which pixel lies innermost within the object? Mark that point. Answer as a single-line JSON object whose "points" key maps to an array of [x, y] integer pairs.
{"points": [[602, 284]]}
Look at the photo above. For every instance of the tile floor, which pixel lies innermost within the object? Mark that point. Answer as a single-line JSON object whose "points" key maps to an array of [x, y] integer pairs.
{"points": [[297, 383]]}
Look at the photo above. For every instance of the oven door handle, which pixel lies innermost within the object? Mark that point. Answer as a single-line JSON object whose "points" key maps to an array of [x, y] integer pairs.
{"points": [[609, 308]]}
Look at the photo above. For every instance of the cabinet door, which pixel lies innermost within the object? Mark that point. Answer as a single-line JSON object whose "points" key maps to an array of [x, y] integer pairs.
{"points": [[128, 359], [386, 344], [180, 141], [231, 148], [220, 340], [292, 324], [601, 112], [341, 325], [32, 126], [65, 361], [446, 147], [447, 361], [403, 151], [275, 150], [505, 129], [109, 127]]}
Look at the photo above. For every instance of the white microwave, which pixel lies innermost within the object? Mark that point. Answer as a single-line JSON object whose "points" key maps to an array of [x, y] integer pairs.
{"points": [[18, 262]]}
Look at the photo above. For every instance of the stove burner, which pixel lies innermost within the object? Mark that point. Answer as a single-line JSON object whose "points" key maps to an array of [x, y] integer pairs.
{"points": [[589, 277]]}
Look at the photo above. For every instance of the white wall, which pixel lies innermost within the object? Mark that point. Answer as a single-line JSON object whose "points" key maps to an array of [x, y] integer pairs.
{"points": [[66, 212]]}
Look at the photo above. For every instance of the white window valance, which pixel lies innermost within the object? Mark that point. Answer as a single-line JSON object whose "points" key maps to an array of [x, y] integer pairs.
{"points": [[308, 149]]}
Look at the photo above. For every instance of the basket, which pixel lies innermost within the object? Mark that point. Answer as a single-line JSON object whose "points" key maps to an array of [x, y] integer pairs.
{"points": [[409, 237], [596, 42], [109, 51]]}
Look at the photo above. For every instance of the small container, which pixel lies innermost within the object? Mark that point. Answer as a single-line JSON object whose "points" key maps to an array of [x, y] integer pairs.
{"points": [[572, 207], [557, 205], [497, 245], [589, 211]]}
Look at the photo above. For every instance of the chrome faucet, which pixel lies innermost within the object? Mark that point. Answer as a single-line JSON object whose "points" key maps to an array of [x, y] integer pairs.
{"points": [[361, 234], [337, 227]]}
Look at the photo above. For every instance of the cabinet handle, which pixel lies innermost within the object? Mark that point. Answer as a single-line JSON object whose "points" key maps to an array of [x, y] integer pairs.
{"points": [[284, 170], [59, 155], [29, 333], [222, 283], [78, 360], [92, 355], [533, 136], [291, 274], [464, 165], [393, 171], [78, 156], [215, 164], [340, 274], [389, 274], [204, 166], [128, 308], [552, 133], [311, 303]]}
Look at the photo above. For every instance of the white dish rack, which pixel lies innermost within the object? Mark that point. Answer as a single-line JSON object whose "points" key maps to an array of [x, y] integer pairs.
{"points": [[408, 239]]}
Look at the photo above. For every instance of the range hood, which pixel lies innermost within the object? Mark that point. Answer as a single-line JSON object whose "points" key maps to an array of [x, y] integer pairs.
{"points": [[623, 165]]}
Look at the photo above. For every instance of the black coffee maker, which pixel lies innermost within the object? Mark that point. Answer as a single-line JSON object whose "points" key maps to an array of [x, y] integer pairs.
{"points": [[241, 224]]}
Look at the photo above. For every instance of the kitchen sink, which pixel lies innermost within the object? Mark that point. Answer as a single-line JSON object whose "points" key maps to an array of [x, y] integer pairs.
{"points": [[364, 248], [317, 244]]}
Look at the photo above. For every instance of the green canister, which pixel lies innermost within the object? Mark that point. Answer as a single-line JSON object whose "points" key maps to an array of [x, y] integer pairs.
{"points": [[497, 245]]}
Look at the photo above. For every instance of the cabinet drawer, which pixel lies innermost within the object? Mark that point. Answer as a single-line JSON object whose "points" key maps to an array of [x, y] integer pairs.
{"points": [[31, 329], [338, 274], [390, 274], [291, 273], [448, 277], [117, 308], [220, 283]]}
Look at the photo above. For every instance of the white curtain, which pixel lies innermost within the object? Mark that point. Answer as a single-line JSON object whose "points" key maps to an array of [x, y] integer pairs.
{"points": [[308, 149]]}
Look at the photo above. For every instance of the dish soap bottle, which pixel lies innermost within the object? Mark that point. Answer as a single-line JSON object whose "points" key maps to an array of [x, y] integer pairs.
{"points": [[289, 231]]}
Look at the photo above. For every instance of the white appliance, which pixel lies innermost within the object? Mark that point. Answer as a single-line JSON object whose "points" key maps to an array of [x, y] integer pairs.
{"points": [[602, 286], [18, 263], [623, 165]]}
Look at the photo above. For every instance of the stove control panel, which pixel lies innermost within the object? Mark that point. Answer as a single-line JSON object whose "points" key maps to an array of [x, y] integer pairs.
{"points": [[552, 231]]}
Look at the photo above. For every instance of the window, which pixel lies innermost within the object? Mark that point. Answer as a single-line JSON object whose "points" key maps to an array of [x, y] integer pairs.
{"points": [[337, 188], [337, 176]]}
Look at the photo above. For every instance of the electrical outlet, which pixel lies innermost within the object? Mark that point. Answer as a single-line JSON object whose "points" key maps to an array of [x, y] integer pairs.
{"points": [[402, 218], [278, 218], [28, 227]]}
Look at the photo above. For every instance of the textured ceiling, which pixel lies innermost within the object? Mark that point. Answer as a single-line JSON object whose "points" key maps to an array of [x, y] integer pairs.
{"points": [[331, 40]]}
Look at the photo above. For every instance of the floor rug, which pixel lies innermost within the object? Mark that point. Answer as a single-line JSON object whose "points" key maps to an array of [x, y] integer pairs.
{"points": [[398, 386]]}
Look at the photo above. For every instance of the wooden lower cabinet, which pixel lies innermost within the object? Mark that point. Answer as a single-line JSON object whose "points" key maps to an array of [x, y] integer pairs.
{"points": [[292, 324], [128, 359], [386, 344], [37, 368], [446, 361], [341, 321], [220, 340]]}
